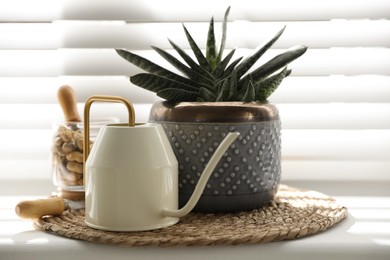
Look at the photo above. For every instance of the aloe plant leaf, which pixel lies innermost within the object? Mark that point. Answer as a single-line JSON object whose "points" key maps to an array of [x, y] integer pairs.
{"points": [[156, 83], [228, 72], [233, 85], [196, 50], [223, 39], [174, 61], [231, 67], [207, 95], [228, 89], [223, 91], [142, 63], [191, 62], [192, 74], [222, 65], [267, 86], [249, 93], [220, 95], [151, 67], [277, 62], [177, 95], [246, 64], [211, 52]]}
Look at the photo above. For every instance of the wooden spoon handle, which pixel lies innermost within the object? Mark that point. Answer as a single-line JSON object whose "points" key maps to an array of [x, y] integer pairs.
{"points": [[67, 99], [34, 209]]}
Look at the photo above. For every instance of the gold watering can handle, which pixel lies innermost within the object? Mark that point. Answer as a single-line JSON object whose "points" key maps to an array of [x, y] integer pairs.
{"points": [[87, 107]]}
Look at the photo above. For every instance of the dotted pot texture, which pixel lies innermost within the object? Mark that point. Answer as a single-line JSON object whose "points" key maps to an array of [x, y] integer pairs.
{"points": [[247, 176]]}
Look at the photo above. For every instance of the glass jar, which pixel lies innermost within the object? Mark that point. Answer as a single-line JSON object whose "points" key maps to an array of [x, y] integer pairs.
{"points": [[67, 155]]}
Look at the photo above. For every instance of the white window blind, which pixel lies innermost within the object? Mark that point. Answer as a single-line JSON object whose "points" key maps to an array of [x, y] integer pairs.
{"points": [[335, 107]]}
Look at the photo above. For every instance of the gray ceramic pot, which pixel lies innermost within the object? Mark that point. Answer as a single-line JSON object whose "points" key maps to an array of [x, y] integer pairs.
{"points": [[248, 175]]}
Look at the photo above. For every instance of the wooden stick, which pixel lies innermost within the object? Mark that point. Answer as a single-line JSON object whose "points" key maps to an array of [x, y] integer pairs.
{"points": [[34, 209], [67, 99]]}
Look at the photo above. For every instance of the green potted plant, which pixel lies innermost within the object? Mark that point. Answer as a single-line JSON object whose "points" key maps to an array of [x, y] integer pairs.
{"points": [[213, 96]]}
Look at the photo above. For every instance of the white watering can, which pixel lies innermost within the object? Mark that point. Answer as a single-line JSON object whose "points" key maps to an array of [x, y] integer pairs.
{"points": [[131, 175]]}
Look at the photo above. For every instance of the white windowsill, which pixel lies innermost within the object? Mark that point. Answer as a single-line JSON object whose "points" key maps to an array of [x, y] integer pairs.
{"points": [[365, 234]]}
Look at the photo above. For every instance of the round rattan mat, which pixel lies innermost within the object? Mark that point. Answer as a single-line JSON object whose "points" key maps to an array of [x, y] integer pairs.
{"points": [[294, 213]]}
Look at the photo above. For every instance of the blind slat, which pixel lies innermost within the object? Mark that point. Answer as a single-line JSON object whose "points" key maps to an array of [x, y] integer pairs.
{"points": [[350, 61], [335, 116], [340, 170], [200, 10], [43, 90], [336, 144], [294, 89], [298, 145], [294, 116], [138, 36], [41, 116], [356, 170], [347, 89]]}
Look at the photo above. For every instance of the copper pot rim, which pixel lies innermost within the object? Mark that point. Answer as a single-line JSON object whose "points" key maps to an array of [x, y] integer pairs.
{"points": [[219, 112]]}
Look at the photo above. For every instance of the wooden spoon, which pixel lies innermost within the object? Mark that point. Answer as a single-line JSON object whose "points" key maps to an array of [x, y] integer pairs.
{"points": [[67, 99]]}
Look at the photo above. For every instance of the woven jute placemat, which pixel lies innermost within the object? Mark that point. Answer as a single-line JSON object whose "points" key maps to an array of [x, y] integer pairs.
{"points": [[294, 213]]}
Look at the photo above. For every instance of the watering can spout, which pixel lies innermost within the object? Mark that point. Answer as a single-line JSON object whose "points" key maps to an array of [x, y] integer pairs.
{"points": [[219, 152]]}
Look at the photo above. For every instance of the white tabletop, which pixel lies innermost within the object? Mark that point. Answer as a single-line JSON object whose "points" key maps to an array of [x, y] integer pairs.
{"points": [[364, 234]]}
